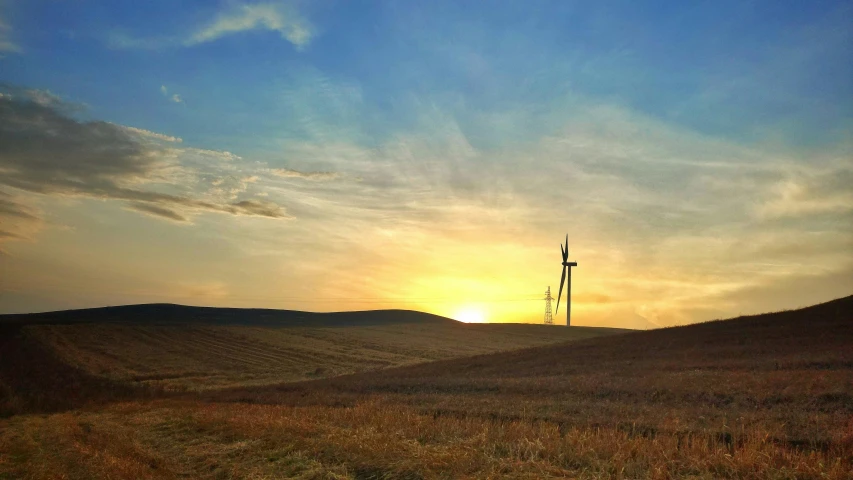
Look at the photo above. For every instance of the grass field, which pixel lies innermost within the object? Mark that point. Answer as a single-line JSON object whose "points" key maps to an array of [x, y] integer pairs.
{"points": [[205, 353], [204, 356], [769, 396], [169, 348]]}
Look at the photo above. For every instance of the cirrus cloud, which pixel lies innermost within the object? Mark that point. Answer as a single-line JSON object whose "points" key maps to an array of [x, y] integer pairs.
{"points": [[6, 43], [318, 176], [260, 16], [810, 192], [278, 17], [17, 220]]}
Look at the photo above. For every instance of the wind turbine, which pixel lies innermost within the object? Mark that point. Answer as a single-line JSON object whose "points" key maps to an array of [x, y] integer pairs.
{"points": [[567, 267]]}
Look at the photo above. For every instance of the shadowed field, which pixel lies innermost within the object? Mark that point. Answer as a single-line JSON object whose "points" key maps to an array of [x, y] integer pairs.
{"points": [[214, 356], [768, 396], [174, 348]]}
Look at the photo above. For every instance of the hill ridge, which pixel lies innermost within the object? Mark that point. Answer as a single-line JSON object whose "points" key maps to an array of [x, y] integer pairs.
{"points": [[794, 335], [171, 313], [779, 377]]}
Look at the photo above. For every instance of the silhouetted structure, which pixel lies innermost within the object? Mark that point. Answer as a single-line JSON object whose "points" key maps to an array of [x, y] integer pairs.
{"points": [[567, 267], [549, 320]]}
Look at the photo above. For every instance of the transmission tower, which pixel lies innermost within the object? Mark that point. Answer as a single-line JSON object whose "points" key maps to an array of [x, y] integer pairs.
{"points": [[549, 320]]}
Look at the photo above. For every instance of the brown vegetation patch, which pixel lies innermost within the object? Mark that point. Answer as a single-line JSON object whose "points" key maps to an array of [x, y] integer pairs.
{"points": [[758, 397], [204, 356]]}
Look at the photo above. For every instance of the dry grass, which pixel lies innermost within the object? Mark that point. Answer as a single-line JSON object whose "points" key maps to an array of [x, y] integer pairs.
{"points": [[374, 439], [203, 356], [759, 397]]}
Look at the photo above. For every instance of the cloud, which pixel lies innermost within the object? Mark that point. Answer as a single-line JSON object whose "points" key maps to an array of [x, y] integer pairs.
{"points": [[278, 17], [147, 135], [120, 40], [17, 221], [630, 189], [319, 176], [806, 287], [257, 208], [174, 97], [12, 209], [44, 98], [156, 211], [7, 45], [47, 152], [807, 191], [231, 186], [259, 16]]}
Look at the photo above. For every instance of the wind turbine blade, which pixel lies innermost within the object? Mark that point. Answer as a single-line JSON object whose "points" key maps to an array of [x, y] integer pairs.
{"points": [[562, 279], [563, 252], [566, 251]]}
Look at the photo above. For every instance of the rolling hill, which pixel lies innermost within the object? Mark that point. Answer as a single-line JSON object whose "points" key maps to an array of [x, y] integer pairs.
{"points": [[799, 359], [765, 396], [752, 397], [171, 314], [178, 348]]}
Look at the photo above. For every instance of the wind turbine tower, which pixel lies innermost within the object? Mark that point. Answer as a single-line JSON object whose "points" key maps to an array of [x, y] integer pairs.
{"points": [[549, 320], [567, 267]]}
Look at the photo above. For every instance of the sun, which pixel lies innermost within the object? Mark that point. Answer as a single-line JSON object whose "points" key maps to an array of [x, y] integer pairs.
{"points": [[470, 315]]}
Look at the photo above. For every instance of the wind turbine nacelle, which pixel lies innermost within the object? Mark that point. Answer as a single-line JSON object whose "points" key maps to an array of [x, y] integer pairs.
{"points": [[570, 264]]}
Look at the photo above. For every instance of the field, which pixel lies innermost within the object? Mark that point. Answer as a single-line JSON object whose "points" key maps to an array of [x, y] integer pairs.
{"points": [[768, 396], [187, 349]]}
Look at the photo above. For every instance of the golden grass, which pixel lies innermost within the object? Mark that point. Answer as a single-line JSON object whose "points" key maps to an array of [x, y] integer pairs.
{"points": [[199, 356], [760, 397], [374, 439]]}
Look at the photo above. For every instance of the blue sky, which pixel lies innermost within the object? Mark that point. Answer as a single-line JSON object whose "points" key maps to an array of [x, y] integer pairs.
{"points": [[724, 68], [674, 132]]}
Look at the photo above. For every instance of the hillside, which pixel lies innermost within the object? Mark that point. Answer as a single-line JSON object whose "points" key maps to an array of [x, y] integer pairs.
{"points": [[171, 314], [800, 359], [766, 396], [179, 348], [752, 397]]}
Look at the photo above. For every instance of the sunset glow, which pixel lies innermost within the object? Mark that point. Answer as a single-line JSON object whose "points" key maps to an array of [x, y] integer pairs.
{"points": [[470, 315], [331, 156]]}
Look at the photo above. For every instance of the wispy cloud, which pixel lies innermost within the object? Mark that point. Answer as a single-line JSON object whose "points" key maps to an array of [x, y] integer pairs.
{"points": [[319, 176], [160, 212], [17, 220], [148, 135], [277, 17], [45, 151], [809, 191], [282, 17], [44, 98], [7, 44], [173, 97], [630, 189], [119, 40]]}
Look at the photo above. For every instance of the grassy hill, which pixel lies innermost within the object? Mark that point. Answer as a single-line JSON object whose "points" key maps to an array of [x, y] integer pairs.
{"points": [[178, 348], [767, 396], [171, 314]]}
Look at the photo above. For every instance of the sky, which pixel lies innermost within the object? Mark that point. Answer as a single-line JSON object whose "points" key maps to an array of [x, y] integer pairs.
{"points": [[340, 155]]}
